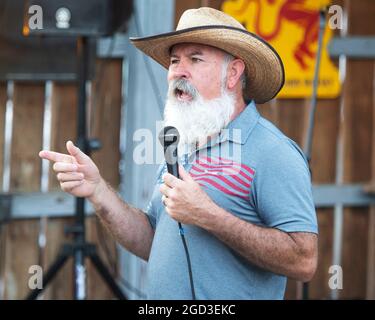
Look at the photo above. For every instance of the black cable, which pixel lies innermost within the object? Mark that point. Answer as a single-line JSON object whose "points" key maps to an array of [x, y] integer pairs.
{"points": [[188, 261]]}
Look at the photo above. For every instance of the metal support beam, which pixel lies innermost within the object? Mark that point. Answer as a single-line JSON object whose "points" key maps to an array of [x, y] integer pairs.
{"points": [[351, 195], [38, 204], [353, 47]]}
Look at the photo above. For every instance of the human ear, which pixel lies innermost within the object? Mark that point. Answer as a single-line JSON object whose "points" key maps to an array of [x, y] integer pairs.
{"points": [[235, 69]]}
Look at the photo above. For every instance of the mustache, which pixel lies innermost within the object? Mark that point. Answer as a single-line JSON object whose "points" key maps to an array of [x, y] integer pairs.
{"points": [[183, 85]]}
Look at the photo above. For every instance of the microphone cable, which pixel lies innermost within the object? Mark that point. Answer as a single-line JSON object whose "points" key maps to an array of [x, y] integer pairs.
{"points": [[169, 137], [182, 234]]}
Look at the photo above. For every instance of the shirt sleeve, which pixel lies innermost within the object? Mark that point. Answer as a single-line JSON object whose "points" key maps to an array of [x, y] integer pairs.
{"points": [[151, 212], [153, 206], [283, 191]]}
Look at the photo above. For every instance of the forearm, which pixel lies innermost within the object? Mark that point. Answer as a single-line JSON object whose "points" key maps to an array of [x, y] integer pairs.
{"points": [[267, 248], [128, 225]]}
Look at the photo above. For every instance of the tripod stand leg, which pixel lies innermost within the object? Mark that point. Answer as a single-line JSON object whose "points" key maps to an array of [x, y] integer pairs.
{"points": [[51, 272], [99, 265]]}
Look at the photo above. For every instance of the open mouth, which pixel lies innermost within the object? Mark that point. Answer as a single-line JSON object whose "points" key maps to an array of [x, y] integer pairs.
{"points": [[182, 95]]}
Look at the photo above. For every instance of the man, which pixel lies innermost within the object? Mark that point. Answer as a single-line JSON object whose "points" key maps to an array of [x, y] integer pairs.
{"points": [[244, 197]]}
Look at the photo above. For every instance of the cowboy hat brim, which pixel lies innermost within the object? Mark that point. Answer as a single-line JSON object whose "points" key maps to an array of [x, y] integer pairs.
{"points": [[264, 68]]}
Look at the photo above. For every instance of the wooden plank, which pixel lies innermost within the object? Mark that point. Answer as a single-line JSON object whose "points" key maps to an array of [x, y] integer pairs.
{"points": [[63, 121], [324, 147], [358, 99], [216, 4], [20, 253], [3, 99], [63, 128], [354, 256], [105, 125], [358, 118], [27, 136], [21, 242], [370, 291], [106, 118]]}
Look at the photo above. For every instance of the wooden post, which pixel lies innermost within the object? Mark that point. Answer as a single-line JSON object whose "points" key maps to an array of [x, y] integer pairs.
{"points": [[105, 125], [3, 99], [63, 128], [22, 236], [370, 291], [358, 100]]}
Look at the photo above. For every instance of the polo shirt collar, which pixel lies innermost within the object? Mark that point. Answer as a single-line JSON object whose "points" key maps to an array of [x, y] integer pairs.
{"points": [[239, 129]]}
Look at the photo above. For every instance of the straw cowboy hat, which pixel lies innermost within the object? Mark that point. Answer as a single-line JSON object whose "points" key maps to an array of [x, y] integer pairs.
{"points": [[264, 68]]}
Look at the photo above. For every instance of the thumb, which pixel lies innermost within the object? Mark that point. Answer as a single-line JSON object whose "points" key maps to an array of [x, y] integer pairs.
{"points": [[185, 176], [77, 153]]}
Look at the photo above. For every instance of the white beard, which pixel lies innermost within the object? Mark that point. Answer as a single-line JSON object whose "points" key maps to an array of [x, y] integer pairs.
{"points": [[199, 119]]}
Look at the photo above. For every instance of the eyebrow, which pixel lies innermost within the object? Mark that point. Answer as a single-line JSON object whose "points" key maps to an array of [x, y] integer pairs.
{"points": [[193, 53]]}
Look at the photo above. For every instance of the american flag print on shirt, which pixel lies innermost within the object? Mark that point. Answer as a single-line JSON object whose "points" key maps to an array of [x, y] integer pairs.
{"points": [[232, 178]]}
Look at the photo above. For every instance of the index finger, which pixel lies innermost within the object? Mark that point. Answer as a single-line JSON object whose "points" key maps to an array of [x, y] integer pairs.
{"points": [[55, 156]]}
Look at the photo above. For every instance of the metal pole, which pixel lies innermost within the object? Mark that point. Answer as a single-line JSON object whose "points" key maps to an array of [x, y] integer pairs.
{"points": [[79, 232], [310, 128], [338, 213]]}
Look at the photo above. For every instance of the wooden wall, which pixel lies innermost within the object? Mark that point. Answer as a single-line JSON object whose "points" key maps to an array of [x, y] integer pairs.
{"points": [[19, 239], [358, 127]]}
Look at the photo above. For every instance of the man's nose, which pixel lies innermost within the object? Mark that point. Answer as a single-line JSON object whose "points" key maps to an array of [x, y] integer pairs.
{"points": [[181, 74], [180, 71]]}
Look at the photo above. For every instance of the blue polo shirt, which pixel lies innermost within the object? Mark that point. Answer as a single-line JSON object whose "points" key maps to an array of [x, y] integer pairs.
{"points": [[253, 171]]}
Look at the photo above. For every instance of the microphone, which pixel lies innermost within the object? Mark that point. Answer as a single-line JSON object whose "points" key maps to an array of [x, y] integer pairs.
{"points": [[169, 138]]}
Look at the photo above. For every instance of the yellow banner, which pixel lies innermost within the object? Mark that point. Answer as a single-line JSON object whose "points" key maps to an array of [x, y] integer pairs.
{"points": [[291, 27]]}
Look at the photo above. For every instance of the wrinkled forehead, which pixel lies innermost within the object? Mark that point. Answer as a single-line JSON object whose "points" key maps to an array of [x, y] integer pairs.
{"points": [[189, 48]]}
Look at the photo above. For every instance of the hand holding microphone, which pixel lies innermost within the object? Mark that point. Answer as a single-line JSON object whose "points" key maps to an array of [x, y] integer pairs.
{"points": [[185, 201]]}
